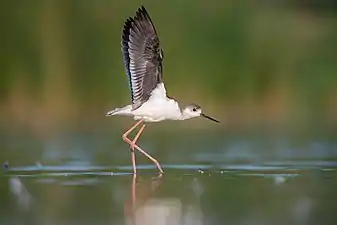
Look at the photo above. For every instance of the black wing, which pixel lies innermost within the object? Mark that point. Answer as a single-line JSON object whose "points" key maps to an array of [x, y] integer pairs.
{"points": [[142, 56]]}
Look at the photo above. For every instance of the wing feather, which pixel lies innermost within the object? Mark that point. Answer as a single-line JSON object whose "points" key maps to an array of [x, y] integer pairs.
{"points": [[142, 56]]}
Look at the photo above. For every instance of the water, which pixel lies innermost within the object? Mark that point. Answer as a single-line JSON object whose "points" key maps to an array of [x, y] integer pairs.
{"points": [[209, 180]]}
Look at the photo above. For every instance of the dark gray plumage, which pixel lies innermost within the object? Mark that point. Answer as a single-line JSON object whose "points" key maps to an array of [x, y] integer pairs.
{"points": [[142, 56]]}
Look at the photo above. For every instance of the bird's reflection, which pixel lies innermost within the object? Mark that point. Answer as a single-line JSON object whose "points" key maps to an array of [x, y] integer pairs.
{"points": [[23, 197], [141, 191], [153, 202]]}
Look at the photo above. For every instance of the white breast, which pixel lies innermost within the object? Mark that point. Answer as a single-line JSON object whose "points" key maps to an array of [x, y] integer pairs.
{"points": [[158, 107]]}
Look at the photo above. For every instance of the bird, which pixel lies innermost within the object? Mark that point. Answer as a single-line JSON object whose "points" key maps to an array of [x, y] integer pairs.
{"points": [[143, 62]]}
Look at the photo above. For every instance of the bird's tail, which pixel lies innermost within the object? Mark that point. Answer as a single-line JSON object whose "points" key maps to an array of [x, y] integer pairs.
{"points": [[120, 111]]}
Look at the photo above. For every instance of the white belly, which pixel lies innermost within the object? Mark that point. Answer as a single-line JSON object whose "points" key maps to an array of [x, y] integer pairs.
{"points": [[158, 109]]}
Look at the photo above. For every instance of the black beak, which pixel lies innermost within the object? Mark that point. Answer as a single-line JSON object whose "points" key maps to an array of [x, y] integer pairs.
{"points": [[210, 118]]}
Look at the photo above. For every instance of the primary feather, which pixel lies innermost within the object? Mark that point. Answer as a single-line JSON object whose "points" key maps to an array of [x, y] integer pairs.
{"points": [[142, 57]]}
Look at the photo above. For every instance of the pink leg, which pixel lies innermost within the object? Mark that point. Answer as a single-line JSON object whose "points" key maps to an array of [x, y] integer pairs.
{"points": [[126, 139], [134, 192], [133, 159], [137, 137], [133, 155], [131, 129]]}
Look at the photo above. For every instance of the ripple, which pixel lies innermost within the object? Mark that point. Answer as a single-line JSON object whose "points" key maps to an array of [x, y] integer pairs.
{"points": [[269, 168]]}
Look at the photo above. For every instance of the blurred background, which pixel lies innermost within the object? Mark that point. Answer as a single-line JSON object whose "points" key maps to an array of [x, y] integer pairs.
{"points": [[255, 62], [266, 69]]}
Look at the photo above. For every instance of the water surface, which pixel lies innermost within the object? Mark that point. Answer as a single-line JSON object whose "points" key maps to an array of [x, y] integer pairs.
{"points": [[210, 180]]}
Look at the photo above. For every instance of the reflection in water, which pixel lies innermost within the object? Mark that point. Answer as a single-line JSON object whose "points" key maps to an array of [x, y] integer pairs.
{"points": [[137, 209], [293, 197], [24, 198], [145, 207], [301, 209]]}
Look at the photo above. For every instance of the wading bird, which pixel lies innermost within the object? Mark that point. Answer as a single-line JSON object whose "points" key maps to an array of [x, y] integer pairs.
{"points": [[143, 61]]}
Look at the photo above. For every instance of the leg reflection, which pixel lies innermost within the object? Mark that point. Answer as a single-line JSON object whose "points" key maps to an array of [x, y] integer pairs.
{"points": [[164, 202], [141, 192]]}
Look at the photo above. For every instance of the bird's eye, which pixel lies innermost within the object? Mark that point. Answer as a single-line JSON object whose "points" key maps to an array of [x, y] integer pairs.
{"points": [[194, 109]]}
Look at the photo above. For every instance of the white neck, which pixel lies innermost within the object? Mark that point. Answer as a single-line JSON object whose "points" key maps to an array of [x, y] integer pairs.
{"points": [[184, 116]]}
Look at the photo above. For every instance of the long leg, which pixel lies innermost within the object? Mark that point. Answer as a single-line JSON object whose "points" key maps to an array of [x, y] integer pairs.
{"points": [[134, 197], [131, 129], [125, 138], [146, 154], [137, 136], [133, 159], [133, 155]]}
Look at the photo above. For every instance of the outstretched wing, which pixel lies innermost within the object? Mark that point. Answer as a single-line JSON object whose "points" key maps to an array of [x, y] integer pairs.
{"points": [[142, 56]]}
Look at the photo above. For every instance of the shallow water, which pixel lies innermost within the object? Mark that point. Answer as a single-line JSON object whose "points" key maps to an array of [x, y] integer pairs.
{"points": [[241, 195], [78, 179]]}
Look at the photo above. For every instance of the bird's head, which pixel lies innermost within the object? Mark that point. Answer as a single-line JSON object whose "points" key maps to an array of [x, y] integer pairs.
{"points": [[194, 110]]}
